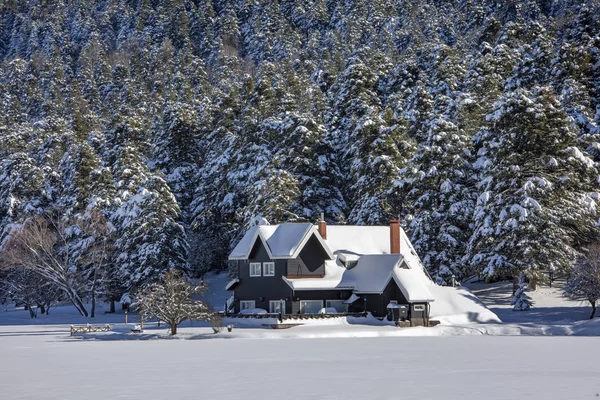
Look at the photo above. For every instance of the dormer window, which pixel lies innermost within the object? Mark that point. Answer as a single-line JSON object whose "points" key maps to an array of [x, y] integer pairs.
{"points": [[269, 269], [255, 269]]}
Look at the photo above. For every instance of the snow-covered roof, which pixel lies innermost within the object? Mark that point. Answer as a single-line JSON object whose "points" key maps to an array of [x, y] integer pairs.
{"points": [[372, 273], [345, 242], [286, 239], [281, 241], [413, 284]]}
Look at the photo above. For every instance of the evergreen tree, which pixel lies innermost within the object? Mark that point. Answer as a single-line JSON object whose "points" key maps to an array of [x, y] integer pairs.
{"points": [[535, 206]]}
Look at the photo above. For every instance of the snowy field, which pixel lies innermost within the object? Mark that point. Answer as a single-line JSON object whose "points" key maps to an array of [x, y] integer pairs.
{"points": [[469, 356], [43, 362]]}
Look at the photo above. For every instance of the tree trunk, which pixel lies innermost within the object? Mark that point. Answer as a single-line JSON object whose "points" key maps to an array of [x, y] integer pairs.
{"points": [[173, 329], [42, 308], [515, 285], [77, 303], [593, 309], [112, 306], [93, 310], [32, 312]]}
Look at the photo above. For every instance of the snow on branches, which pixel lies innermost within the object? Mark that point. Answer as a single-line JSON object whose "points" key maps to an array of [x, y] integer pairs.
{"points": [[172, 300]]}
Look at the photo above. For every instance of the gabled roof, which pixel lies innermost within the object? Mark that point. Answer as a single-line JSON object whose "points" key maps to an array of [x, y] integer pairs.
{"points": [[281, 241], [372, 273]]}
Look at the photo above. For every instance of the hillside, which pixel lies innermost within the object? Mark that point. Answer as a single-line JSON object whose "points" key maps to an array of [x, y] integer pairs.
{"points": [[182, 121]]}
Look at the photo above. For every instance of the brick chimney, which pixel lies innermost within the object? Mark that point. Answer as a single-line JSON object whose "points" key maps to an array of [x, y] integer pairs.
{"points": [[323, 227], [395, 236]]}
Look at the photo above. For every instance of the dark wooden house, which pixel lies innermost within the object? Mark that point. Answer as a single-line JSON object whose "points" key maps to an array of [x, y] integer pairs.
{"points": [[300, 268]]}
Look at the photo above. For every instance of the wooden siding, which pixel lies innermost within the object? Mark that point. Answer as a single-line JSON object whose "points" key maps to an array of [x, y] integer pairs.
{"points": [[262, 289]]}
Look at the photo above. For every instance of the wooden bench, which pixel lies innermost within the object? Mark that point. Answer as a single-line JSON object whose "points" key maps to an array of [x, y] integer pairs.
{"points": [[89, 328]]}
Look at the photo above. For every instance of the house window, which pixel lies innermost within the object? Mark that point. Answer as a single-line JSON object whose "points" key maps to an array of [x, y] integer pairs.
{"points": [[254, 269], [247, 304], [419, 307], [337, 304], [393, 301], [269, 269], [277, 306], [310, 306]]}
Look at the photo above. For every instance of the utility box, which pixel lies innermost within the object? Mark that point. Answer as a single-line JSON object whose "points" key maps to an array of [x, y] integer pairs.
{"points": [[397, 312]]}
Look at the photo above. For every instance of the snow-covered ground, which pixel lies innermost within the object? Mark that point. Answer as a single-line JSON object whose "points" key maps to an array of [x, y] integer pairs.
{"points": [[46, 363], [472, 355], [549, 305]]}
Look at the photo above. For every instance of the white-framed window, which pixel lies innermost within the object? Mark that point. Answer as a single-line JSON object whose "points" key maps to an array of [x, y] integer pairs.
{"points": [[393, 301], [310, 306], [337, 304], [247, 304], [255, 269], [268, 269], [277, 306], [419, 307]]}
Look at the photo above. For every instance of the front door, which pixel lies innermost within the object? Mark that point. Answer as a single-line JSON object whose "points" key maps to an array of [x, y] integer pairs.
{"points": [[277, 306]]}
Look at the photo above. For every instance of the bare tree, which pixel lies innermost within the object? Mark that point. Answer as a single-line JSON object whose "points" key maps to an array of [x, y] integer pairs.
{"points": [[95, 252], [40, 245], [584, 282], [171, 300], [26, 287]]}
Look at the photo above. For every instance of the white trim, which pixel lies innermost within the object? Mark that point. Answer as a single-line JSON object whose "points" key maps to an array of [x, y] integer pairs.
{"points": [[303, 303], [312, 231], [244, 304], [252, 270], [419, 307], [253, 242], [277, 303], [268, 264]]}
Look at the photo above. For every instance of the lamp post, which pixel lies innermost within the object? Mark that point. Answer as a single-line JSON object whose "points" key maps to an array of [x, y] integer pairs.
{"points": [[125, 316]]}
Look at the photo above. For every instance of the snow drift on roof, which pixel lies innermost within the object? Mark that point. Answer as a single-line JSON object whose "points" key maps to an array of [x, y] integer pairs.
{"points": [[414, 285], [245, 245], [459, 306], [287, 238]]}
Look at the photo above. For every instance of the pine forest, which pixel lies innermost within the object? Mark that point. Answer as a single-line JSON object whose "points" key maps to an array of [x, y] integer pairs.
{"points": [[146, 135]]}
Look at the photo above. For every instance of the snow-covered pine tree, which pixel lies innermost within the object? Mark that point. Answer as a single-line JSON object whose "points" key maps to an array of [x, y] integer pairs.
{"points": [[536, 204], [521, 300], [439, 194]]}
